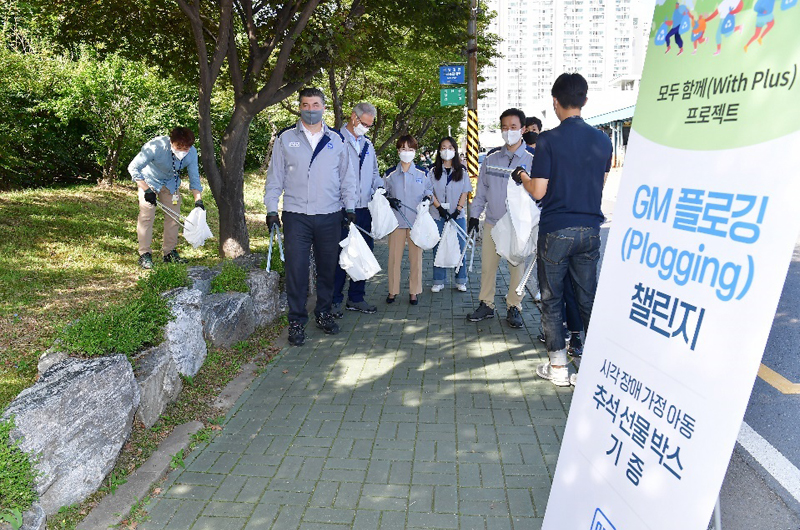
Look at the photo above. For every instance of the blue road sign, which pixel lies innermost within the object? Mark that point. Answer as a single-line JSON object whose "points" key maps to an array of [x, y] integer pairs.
{"points": [[452, 74]]}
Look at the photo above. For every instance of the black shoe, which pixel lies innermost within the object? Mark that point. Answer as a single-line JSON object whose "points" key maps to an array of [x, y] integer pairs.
{"points": [[390, 299], [336, 310], [146, 261], [297, 334], [514, 318], [326, 323], [482, 313], [174, 257], [362, 307], [540, 336], [413, 301], [575, 345]]}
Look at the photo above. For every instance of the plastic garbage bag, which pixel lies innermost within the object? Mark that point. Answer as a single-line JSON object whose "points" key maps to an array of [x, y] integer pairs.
{"points": [[356, 259], [384, 222], [195, 229], [523, 212], [424, 233], [448, 255]]}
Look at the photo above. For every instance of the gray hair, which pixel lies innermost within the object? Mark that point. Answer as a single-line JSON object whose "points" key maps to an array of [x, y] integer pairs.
{"points": [[365, 108], [311, 93]]}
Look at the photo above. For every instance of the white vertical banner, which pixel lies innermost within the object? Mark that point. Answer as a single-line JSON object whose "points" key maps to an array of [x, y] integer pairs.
{"points": [[704, 227]]}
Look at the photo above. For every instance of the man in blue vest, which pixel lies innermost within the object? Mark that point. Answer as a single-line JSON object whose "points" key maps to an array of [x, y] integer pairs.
{"points": [[311, 168], [368, 179]]}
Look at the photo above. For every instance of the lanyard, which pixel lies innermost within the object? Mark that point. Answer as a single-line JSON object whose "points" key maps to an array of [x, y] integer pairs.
{"points": [[176, 171]]}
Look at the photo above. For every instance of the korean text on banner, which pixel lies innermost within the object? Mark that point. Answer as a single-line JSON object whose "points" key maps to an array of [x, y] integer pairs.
{"points": [[704, 228]]}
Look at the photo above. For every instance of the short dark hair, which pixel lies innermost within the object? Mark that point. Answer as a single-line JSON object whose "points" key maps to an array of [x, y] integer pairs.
{"points": [[407, 140], [514, 112], [310, 92], [182, 136], [570, 90], [533, 120]]}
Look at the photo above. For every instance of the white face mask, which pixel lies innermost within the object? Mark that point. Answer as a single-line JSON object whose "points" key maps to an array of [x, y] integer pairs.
{"points": [[360, 129], [180, 155], [407, 156], [512, 137], [447, 154]]}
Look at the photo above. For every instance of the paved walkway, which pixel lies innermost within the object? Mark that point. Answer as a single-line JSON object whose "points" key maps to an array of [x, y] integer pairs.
{"points": [[410, 418]]}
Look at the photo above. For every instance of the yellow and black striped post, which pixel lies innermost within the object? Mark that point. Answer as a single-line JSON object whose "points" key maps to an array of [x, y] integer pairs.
{"points": [[472, 148]]}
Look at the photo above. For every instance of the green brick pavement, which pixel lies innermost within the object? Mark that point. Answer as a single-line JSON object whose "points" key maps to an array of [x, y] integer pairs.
{"points": [[409, 418]]}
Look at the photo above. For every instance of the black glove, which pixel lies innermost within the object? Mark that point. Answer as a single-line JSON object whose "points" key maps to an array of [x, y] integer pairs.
{"points": [[455, 214], [443, 213], [351, 217], [516, 175], [394, 203], [473, 224], [273, 220], [199, 204], [150, 196]]}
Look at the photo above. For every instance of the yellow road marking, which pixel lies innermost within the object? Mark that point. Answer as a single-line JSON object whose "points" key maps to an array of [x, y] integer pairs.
{"points": [[776, 380]]}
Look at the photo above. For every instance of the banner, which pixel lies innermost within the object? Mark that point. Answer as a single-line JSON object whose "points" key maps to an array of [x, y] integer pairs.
{"points": [[704, 227]]}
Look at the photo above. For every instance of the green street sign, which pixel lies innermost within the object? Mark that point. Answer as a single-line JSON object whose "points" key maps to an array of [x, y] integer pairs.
{"points": [[452, 97]]}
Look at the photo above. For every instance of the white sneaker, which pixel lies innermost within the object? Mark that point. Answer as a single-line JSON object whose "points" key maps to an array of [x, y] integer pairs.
{"points": [[461, 287], [573, 379], [537, 297], [557, 376], [437, 287]]}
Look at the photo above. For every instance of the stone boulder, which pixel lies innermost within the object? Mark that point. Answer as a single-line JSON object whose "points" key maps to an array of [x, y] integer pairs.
{"points": [[265, 291], [228, 318], [159, 383], [75, 420], [183, 335], [51, 357], [201, 278], [254, 261]]}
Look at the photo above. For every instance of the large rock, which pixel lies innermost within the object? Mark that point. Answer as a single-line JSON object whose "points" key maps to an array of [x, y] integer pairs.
{"points": [[183, 335], [201, 278], [51, 357], [159, 383], [228, 318], [252, 261], [265, 291], [75, 420]]}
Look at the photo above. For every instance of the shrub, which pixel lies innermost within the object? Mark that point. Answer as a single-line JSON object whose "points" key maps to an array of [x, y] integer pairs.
{"points": [[17, 475], [276, 263], [121, 328], [231, 278], [165, 277]]}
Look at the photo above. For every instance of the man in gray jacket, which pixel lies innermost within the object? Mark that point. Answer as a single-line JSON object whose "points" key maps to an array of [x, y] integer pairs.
{"points": [[491, 198], [310, 167], [368, 179]]}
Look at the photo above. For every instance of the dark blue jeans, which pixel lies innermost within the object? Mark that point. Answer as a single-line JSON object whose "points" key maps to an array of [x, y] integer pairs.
{"points": [[355, 293], [301, 233], [575, 250]]}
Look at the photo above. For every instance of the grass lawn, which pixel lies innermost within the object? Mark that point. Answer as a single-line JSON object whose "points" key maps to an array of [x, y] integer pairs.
{"points": [[67, 250]]}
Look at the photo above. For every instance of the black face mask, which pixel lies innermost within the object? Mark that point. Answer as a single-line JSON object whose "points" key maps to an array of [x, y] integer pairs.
{"points": [[530, 137]]}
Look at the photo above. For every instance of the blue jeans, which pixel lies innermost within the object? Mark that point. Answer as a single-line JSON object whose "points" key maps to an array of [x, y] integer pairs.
{"points": [[357, 289], [440, 274], [575, 250]]}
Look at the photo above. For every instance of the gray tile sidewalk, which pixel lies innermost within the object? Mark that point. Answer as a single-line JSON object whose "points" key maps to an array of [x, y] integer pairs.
{"points": [[409, 418]]}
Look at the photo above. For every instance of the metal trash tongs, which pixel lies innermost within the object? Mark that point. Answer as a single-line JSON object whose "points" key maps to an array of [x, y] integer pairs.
{"points": [[275, 233], [175, 216], [520, 290]]}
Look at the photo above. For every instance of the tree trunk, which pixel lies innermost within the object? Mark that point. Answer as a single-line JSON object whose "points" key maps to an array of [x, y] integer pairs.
{"points": [[234, 239]]}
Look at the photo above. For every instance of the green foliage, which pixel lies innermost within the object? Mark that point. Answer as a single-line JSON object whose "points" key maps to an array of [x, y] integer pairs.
{"points": [[17, 475], [13, 517], [121, 328], [177, 460], [231, 278], [114, 481], [165, 276]]}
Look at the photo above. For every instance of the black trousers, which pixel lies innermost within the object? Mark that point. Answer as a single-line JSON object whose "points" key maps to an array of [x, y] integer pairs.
{"points": [[302, 232]]}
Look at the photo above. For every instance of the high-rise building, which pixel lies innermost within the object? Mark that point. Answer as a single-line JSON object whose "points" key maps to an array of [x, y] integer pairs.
{"points": [[541, 39]]}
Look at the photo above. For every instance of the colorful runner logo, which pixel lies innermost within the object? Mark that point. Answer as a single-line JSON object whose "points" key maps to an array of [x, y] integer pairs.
{"points": [[601, 522]]}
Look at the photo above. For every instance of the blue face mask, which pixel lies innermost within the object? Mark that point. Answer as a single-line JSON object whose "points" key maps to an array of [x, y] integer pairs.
{"points": [[311, 117]]}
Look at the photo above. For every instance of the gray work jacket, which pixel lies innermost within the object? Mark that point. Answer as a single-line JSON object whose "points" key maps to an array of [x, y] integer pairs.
{"points": [[410, 188], [493, 185], [312, 182], [365, 164], [448, 192]]}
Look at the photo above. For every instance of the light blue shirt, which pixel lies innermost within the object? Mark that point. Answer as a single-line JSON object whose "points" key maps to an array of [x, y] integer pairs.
{"points": [[410, 188], [158, 167]]}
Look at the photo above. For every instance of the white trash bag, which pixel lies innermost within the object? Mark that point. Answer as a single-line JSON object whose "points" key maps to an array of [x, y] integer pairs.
{"points": [[384, 222], [424, 233], [523, 211], [448, 255], [356, 259], [195, 228]]}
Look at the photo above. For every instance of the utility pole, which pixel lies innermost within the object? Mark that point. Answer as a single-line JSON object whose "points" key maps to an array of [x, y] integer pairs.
{"points": [[472, 92]]}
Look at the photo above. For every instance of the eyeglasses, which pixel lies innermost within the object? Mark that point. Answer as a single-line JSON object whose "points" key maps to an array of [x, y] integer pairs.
{"points": [[367, 125]]}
